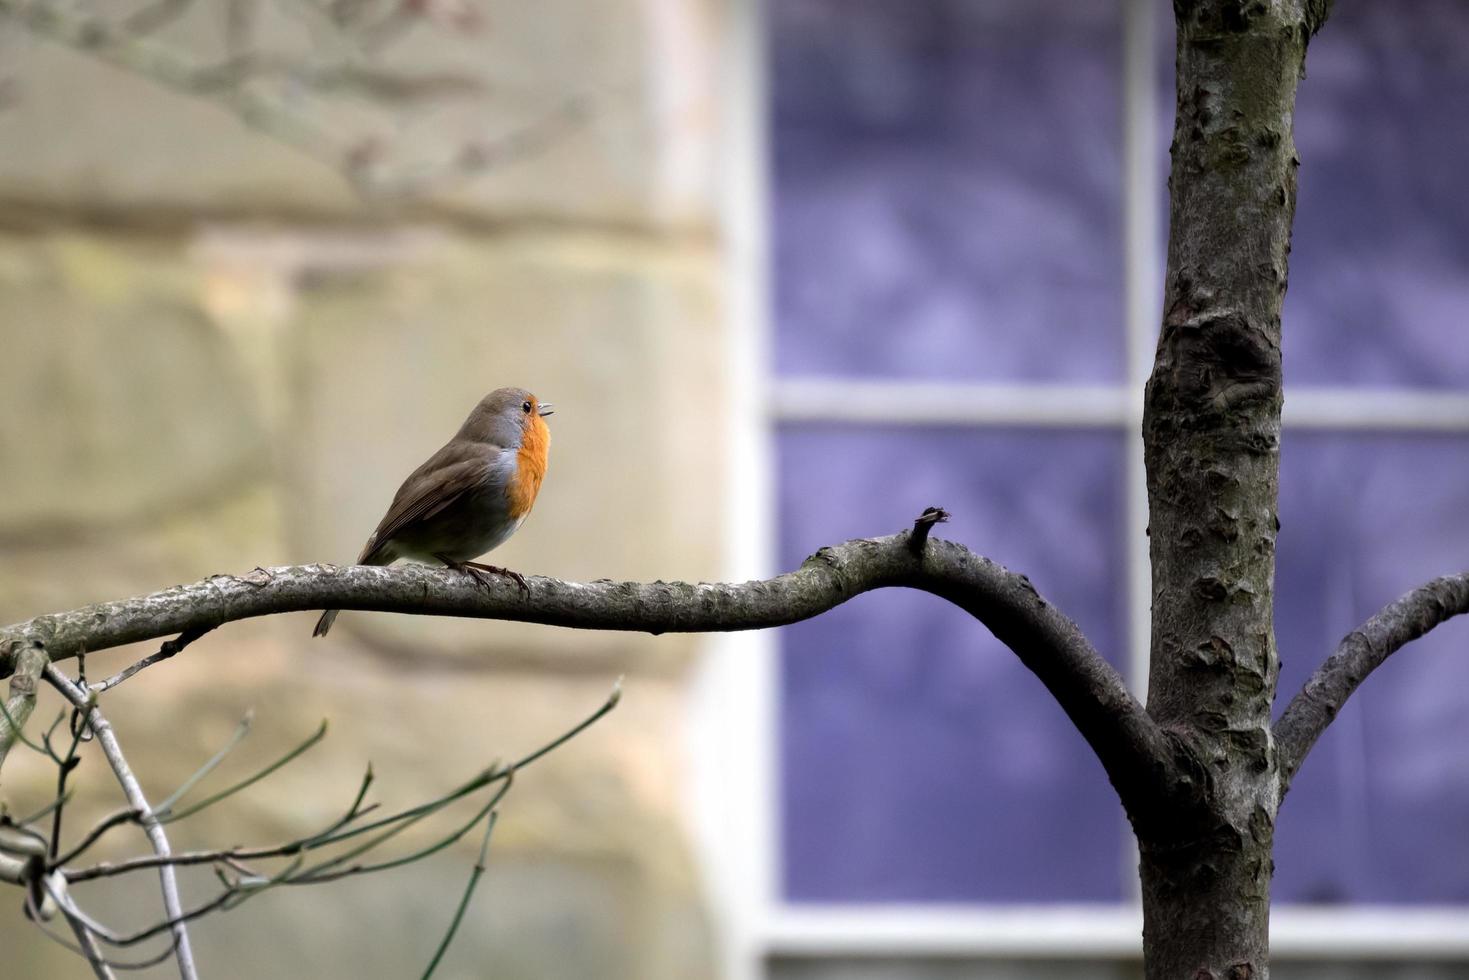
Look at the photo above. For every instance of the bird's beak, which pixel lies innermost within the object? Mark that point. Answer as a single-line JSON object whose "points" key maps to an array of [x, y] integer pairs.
{"points": [[546, 409]]}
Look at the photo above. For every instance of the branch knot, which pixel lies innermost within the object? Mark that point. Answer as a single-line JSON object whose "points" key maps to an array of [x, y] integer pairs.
{"points": [[918, 537]]}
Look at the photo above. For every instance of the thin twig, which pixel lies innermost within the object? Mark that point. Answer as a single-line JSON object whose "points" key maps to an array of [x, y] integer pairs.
{"points": [[162, 811], [86, 702], [89, 949], [319, 874], [102, 826], [46, 736], [59, 801], [63, 772], [94, 929], [208, 801], [33, 913], [241, 730], [171, 648], [340, 830], [474, 876], [355, 810]]}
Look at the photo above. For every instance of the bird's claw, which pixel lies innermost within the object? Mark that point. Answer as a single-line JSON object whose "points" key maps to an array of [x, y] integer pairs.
{"points": [[482, 573]]}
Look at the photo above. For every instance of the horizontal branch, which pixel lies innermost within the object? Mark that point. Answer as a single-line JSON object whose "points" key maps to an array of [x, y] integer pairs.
{"points": [[1359, 654], [1135, 753]]}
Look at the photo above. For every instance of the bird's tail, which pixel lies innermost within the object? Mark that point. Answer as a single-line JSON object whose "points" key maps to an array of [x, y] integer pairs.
{"points": [[370, 556], [325, 622]]}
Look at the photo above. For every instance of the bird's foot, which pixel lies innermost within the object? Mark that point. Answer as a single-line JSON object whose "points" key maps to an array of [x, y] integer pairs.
{"points": [[482, 573]]}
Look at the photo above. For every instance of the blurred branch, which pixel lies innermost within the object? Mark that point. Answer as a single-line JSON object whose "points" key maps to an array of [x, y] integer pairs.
{"points": [[1360, 653], [1138, 756], [168, 815], [474, 876], [86, 703], [288, 97], [117, 45], [30, 660]]}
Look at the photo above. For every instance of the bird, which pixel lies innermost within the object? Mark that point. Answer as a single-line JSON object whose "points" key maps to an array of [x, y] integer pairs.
{"points": [[470, 496]]}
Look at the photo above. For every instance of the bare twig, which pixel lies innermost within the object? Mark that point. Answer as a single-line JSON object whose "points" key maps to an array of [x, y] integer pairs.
{"points": [[89, 949], [1362, 651], [244, 883], [248, 781], [32, 818], [94, 929], [163, 809], [342, 829], [86, 703], [102, 826], [324, 871], [63, 772], [47, 883], [163, 814], [170, 648], [474, 876], [33, 912]]}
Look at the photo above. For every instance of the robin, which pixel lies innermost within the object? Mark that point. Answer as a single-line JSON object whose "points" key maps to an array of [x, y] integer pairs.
{"points": [[471, 495]]}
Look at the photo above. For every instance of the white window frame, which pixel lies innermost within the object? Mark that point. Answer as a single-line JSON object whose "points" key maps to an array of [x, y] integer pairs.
{"points": [[734, 721]]}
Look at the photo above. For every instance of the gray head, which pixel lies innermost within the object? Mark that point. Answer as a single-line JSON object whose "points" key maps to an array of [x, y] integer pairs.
{"points": [[504, 417]]}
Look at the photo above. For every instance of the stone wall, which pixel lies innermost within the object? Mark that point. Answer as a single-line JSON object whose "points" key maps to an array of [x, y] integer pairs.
{"points": [[215, 357]]}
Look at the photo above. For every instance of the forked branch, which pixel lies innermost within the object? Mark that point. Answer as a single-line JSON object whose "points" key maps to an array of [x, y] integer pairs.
{"points": [[1359, 654], [1136, 754]]}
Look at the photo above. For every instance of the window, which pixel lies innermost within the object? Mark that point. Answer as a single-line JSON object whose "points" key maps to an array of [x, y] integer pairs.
{"points": [[965, 246]]}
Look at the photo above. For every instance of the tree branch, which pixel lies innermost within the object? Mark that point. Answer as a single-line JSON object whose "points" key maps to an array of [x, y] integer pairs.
{"points": [[1359, 654], [86, 703], [290, 99], [1137, 755], [30, 660], [89, 948]]}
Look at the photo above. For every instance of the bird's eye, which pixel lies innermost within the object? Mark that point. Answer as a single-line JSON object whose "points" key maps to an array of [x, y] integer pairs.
{"points": [[525, 407]]}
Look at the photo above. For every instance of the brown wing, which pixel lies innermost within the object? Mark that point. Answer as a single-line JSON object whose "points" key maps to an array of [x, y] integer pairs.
{"points": [[445, 477]]}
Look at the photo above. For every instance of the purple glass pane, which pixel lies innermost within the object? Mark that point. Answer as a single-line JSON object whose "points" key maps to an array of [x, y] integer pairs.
{"points": [[947, 188], [921, 761], [1380, 810], [1379, 266], [1379, 288]]}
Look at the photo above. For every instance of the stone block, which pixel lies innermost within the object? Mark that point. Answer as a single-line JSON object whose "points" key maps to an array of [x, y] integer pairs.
{"points": [[120, 400]]}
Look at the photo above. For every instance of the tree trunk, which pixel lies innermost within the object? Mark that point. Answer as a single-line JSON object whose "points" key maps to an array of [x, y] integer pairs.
{"points": [[1211, 430]]}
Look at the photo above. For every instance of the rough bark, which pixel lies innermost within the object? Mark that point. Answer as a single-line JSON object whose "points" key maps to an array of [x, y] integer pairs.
{"points": [[1132, 749], [1211, 430]]}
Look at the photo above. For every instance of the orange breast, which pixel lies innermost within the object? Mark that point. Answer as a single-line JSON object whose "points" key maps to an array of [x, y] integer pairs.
{"points": [[530, 469]]}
